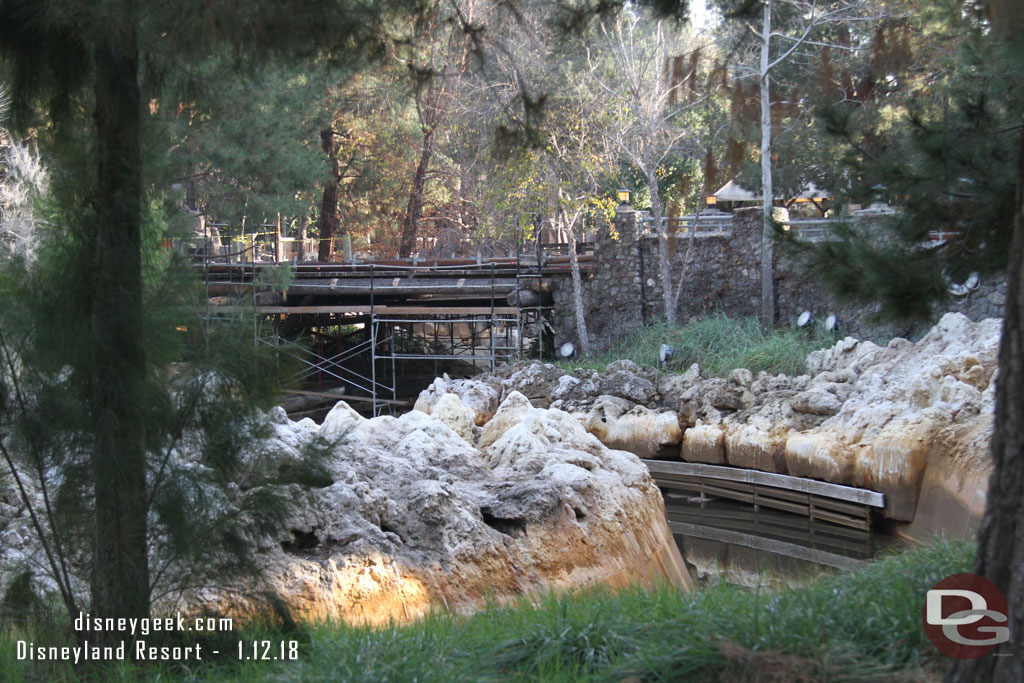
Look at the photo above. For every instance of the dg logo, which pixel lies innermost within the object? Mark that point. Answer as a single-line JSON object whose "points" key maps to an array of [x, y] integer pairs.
{"points": [[965, 615]]}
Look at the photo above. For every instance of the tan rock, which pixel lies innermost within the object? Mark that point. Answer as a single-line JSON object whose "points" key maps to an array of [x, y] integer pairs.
{"points": [[818, 455], [513, 409], [619, 424], [704, 443], [417, 519], [453, 413], [754, 448], [479, 397], [894, 463]]}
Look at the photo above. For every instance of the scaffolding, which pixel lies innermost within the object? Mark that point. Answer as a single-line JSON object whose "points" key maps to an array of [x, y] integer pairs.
{"points": [[359, 327], [364, 347]]}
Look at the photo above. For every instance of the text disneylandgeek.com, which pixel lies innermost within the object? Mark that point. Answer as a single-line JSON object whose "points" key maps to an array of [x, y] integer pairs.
{"points": [[133, 646]]}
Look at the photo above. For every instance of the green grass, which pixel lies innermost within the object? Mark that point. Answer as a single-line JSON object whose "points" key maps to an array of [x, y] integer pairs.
{"points": [[853, 626], [718, 344]]}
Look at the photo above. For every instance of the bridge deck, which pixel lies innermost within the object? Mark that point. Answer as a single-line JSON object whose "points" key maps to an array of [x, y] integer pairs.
{"points": [[845, 505]]}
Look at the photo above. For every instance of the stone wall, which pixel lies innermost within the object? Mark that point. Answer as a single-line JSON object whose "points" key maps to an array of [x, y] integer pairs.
{"points": [[612, 293], [720, 271]]}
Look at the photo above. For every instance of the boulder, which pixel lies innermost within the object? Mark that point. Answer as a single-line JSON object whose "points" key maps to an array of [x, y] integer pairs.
{"points": [[578, 389], [619, 424], [817, 401], [894, 464], [534, 379], [479, 397], [455, 415], [819, 456], [626, 384], [418, 518], [748, 446], [704, 443]]}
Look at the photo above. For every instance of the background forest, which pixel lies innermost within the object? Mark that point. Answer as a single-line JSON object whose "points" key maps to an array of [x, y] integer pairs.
{"points": [[475, 122]]}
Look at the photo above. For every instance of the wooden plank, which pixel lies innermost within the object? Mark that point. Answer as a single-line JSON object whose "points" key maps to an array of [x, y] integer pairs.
{"points": [[773, 524], [703, 481], [317, 394], [802, 536], [836, 518], [347, 399], [791, 496], [676, 478], [359, 308], [748, 516], [446, 310], [836, 506], [728, 493], [835, 512], [782, 481], [783, 505], [800, 552]]}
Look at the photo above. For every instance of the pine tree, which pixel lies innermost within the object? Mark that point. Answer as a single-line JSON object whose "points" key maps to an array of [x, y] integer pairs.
{"points": [[104, 58], [954, 161]]}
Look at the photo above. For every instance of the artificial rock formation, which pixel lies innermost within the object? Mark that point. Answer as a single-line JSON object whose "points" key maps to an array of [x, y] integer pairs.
{"points": [[418, 517], [425, 512], [480, 399], [622, 425], [877, 417]]}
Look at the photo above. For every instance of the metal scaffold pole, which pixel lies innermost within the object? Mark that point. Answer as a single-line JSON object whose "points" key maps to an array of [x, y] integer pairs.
{"points": [[490, 327], [373, 345]]}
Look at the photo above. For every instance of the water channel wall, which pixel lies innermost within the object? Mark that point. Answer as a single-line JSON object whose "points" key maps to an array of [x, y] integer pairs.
{"points": [[721, 273]]}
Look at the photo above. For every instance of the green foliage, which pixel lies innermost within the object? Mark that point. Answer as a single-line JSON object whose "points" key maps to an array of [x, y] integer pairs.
{"points": [[944, 151], [248, 142], [210, 487], [275, 279], [853, 626], [718, 344]]}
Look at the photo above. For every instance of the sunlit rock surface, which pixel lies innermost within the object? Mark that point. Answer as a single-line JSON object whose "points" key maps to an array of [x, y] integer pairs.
{"points": [[430, 512], [481, 399]]}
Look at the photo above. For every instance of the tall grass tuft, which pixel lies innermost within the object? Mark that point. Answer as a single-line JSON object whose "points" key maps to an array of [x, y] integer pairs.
{"points": [[718, 344], [855, 626]]}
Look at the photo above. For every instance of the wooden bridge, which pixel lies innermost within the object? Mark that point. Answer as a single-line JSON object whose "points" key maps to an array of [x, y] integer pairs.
{"points": [[818, 500], [366, 320]]}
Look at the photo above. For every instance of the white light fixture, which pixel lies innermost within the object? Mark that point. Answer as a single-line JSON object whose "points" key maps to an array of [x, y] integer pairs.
{"points": [[804, 319], [666, 353], [831, 323], [968, 285], [566, 350]]}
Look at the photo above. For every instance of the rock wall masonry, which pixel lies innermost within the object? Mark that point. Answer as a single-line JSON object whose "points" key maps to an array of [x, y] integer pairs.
{"points": [[721, 274]]}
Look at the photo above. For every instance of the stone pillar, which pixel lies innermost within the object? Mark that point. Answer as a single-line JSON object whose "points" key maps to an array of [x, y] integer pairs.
{"points": [[612, 294], [744, 262], [629, 266]]}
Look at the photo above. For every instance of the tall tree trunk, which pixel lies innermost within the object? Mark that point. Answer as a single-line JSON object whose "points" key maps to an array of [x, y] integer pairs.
{"points": [[303, 234], [411, 224], [577, 287], [767, 285], [1000, 543], [120, 580], [329, 223], [664, 267]]}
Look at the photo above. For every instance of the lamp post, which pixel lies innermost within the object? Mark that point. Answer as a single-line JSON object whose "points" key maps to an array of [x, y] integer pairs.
{"points": [[623, 195]]}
